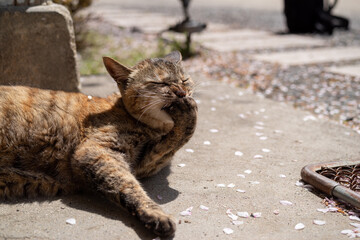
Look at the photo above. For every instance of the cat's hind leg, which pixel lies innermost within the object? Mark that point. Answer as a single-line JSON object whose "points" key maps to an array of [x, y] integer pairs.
{"points": [[15, 183]]}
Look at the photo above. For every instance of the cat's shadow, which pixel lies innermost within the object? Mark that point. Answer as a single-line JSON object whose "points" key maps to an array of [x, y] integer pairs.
{"points": [[155, 186]]}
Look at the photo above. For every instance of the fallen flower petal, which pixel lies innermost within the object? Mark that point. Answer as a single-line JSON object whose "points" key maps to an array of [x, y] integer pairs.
{"points": [[258, 157], [181, 165], [228, 231], [286, 203], [299, 226], [354, 218], [207, 142], [238, 153], [247, 171], [187, 212], [221, 185], [236, 223], [189, 150], [204, 207], [243, 214], [323, 210], [214, 130], [265, 150], [71, 221], [241, 175], [319, 222], [256, 215], [231, 185], [240, 190], [231, 215]]}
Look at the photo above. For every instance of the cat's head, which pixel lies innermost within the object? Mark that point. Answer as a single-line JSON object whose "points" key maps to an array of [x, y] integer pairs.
{"points": [[150, 86]]}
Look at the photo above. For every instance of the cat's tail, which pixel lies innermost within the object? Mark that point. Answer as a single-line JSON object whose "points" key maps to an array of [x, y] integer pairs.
{"points": [[15, 183]]}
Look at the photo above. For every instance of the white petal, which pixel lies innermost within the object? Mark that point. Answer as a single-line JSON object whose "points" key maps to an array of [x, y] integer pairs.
{"points": [[319, 222], [323, 210], [286, 203], [259, 134], [334, 209], [187, 212], [181, 165], [309, 117], [258, 157], [213, 109], [282, 175], [207, 142], [214, 130], [237, 223], [263, 138], [354, 218], [71, 221], [254, 182], [242, 116], [204, 207], [228, 231], [231, 215], [357, 225], [299, 226], [347, 231], [278, 131], [299, 183], [262, 110], [247, 171], [260, 123], [259, 127], [243, 214], [231, 185], [240, 93], [189, 150], [265, 150], [221, 185], [256, 214], [276, 212], [238, 153], [241, 175], [240, 190]]}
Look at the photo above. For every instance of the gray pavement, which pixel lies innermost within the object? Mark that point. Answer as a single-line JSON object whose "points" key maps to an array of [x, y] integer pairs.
{"points": [[239, 118]]}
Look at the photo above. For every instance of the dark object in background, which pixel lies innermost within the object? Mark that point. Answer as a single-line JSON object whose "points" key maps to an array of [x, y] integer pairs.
{"points": [[308, 16]]}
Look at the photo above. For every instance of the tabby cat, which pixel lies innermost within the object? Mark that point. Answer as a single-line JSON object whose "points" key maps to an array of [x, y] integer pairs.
{"points": [[53, 142]]}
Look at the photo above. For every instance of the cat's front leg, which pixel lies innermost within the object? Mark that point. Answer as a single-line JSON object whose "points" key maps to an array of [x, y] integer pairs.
{"points": [[108, 173], [184, 114]]}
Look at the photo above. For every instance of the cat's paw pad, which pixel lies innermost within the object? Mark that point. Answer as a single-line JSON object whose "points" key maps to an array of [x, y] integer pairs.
{"points": [[160, 223]]}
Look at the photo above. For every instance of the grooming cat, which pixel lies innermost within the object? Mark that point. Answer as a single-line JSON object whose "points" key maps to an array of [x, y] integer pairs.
{"points": [[53, 142]]}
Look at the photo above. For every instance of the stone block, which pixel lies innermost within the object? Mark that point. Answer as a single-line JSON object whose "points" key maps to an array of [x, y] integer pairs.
{"points": [[37, 47]]}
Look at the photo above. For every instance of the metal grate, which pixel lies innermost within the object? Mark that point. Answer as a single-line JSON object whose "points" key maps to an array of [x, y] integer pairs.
{"points": [[348, 176], [339, 179]]}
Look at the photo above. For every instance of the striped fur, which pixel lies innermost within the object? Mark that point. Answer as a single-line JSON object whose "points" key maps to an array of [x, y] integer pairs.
{"points": [[53, 142]]}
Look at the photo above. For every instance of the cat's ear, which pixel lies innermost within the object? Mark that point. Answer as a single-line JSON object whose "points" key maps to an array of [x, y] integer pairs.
{"points": [[174, 57], [119, 72]]}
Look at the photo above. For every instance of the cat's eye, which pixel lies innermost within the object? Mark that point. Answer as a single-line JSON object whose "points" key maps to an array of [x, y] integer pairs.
{"points": [[159, 83]]}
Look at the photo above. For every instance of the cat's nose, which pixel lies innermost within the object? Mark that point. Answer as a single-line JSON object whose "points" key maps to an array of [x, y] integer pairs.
{"points": [[180, 93]]}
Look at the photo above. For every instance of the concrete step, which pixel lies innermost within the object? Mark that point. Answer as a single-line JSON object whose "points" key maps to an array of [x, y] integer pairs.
{"points": [[312, 56]]}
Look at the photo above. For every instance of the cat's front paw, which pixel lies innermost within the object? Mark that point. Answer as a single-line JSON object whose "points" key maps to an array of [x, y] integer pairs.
{"points": [[158, 222]]}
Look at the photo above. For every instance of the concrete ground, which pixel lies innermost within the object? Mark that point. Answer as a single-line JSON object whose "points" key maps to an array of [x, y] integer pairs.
{"points": [[293, 143]]}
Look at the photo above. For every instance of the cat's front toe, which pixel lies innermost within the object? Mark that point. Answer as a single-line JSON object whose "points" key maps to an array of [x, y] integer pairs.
{"points": [[159, 222]]}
